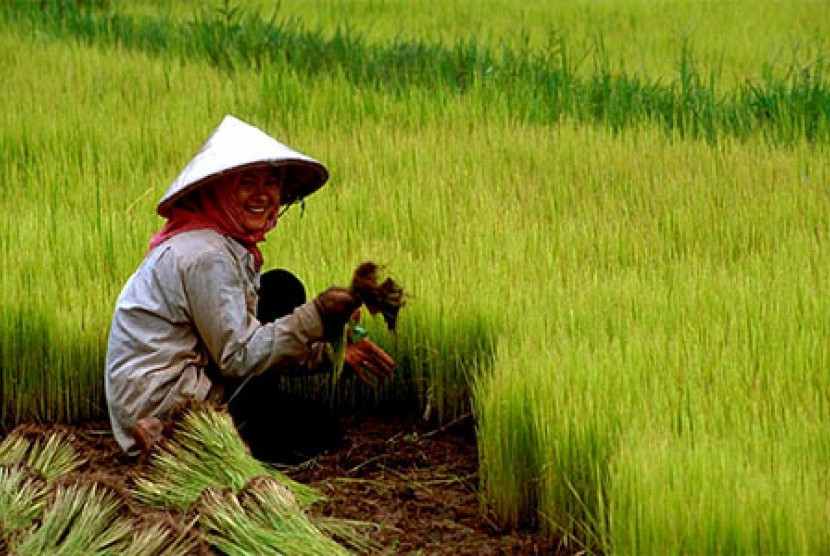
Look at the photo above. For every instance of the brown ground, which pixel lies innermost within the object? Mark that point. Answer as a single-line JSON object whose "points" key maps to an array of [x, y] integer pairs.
{"points": [[418, 482]]}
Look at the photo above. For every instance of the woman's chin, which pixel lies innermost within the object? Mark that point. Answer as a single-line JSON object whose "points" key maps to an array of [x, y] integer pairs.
{"points": [[255, 225]]}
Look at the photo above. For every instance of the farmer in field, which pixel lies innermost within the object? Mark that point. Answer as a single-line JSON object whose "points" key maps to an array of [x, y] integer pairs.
{"points": [[197, 321]]}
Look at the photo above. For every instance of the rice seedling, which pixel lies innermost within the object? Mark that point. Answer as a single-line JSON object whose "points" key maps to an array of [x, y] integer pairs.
{"points": [[159, 540], [80, 519], [22, 500], [52, 455], [263, 518], [543, 86], [243, 505], [717, 495], [206, 451]]}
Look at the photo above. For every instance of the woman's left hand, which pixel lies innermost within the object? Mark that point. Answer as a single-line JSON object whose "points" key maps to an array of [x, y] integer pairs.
{"points": [[365, 358]]}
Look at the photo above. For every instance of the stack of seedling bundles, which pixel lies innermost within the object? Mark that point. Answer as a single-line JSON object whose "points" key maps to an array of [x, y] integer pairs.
{"points": [[48, 507], [202, 491], [242, 505]]}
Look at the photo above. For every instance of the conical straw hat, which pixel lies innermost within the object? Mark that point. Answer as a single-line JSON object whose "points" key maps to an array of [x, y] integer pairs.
{"points": [[236, 145]]}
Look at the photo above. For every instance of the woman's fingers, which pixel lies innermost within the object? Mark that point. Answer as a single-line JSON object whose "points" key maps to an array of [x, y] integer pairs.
{"points": [[380, 360], [365, 358], [381, 355], [376, 368], [361, 376]]}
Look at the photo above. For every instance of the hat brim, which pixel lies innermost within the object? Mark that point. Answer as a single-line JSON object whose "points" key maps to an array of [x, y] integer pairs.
{"points": [[301, 179]]}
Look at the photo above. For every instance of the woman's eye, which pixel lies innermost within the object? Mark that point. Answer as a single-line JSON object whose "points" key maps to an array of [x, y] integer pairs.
{"points": [[272, 182]]}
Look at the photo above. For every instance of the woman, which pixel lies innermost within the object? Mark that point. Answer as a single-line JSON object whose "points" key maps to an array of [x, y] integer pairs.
{"points": [[185, 325]]}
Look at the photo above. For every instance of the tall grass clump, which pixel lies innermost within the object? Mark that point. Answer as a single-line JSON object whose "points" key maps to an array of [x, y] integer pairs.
{"points": [[548, 425], [717, 495]]}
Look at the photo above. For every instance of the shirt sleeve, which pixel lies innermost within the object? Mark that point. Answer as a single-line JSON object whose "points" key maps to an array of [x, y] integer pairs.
{"points": [[237, 342]]}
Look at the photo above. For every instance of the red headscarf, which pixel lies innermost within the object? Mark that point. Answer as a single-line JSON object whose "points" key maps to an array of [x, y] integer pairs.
{"points": [[213, 206]]}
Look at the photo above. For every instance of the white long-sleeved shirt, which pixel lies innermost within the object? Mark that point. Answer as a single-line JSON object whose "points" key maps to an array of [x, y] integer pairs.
{"points": [[192, 302]]}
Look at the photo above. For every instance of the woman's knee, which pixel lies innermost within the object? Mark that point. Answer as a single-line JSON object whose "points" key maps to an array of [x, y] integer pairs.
{"points": [[280, 292]]}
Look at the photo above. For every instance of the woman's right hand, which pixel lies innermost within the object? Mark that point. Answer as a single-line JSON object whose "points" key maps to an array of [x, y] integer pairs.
{"points": [[335, 307]]}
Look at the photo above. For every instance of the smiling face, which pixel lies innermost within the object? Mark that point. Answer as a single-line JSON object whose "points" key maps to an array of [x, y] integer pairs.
{"points": [[257, 195]]}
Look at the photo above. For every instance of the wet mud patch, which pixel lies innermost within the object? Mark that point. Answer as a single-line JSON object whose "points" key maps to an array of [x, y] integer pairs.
{"points": [[419, 484]]}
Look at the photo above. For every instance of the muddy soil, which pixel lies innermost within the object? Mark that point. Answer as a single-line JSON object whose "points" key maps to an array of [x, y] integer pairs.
{"points": [[417, 482]]}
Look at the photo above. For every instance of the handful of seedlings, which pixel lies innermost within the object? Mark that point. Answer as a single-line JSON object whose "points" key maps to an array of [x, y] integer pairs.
{"points": [[385, 298]]}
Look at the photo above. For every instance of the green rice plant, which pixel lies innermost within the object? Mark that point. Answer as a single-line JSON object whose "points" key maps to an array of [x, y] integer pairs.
{"points": [[717, 496], [61, 377], [543, 87], [546, 435], [52, 455], [699, 327], [80, 519], [263, 517], [642, 35], [507, 444], [644, 314], [23, 497], [206, 451]]}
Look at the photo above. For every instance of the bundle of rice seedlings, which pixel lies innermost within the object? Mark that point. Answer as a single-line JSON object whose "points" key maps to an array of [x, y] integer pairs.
{"points": [[22, 500], [159, 539], [263, 518], [79, 519], [53, 455], [205, 450], [263, 494]]}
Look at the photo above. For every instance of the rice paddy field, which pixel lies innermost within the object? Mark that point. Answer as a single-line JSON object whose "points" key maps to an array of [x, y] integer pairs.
{"points": [[611, 218]]}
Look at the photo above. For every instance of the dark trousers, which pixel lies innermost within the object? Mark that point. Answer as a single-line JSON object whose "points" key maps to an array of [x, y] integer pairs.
{"points": [[277, 426]]}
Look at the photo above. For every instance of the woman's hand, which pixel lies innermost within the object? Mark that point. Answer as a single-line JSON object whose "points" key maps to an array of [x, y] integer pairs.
{"points": [[335, 306], [365, 359]]}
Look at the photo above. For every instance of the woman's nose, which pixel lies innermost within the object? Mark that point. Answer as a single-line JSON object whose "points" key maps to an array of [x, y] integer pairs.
{"points": [[261, 190]]}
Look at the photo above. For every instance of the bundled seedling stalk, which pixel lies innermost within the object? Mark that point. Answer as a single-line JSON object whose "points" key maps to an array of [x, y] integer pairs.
{"points": [[22, 500], [205, 450], [52, 456], [160, 540], [46, 509], [261, 518], [80, 519], [386, 298]]}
